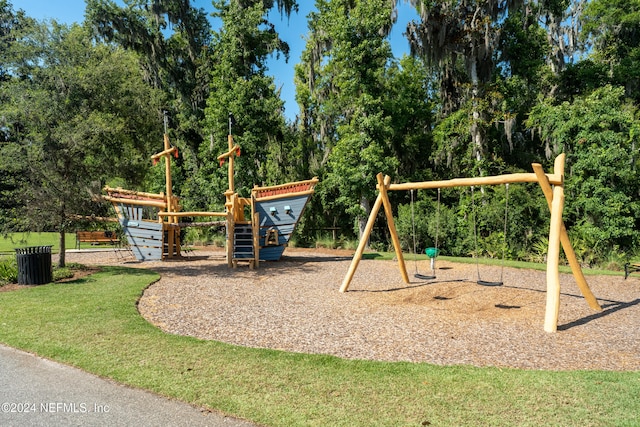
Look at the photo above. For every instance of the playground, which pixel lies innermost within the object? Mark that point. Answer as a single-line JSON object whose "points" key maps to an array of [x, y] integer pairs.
{"points": [[294, 305], [450, 317]]}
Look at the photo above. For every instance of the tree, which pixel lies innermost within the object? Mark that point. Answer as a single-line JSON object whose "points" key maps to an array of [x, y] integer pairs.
{"points": [[599, 133], [78, 114], [343, 100], [204, 73], [240, 87], [453, 33], [411, 103], [12, 26], [612, 28], [173, 40], [462, 40]]}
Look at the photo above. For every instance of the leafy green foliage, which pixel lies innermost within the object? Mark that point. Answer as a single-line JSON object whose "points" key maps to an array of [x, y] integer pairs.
{"points": [[498, 87], [77, 114], [8, 270], [347, 62], [599, 134], [241, 88], [612, 27]]}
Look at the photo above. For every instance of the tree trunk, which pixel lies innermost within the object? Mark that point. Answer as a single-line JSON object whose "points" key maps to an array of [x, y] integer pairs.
{"points": [[362, 220], [61, 259], [476, 133]]}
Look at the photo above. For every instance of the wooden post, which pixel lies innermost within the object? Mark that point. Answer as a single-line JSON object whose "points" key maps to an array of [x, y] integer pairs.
{"points": [[230, 238], [230, 167], [169, 194], [230, 203], [553, 254], [255, 228], [553, 261], [581, 281], [167, 174], [382, 185], [363, 240]]}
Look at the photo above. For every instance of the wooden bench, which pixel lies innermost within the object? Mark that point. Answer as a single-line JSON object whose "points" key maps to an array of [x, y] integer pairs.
{"points": [[631, 267], [96, 237]]}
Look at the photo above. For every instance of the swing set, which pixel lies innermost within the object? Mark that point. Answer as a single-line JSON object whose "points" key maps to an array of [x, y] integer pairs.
{"points": [[552, 186]]}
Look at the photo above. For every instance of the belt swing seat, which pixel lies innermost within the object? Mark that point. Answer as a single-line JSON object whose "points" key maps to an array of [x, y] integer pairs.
{"points": [[479, 280]]}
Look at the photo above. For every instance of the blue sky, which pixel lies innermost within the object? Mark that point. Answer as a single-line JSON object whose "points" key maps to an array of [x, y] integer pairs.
{"points": [[292, 30]]}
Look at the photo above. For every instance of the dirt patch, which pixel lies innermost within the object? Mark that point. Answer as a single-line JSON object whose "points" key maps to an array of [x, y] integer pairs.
{"points": [[79, 274], [13, 287]]}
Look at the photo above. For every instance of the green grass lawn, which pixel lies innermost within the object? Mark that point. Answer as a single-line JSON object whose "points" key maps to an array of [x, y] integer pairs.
{"points": [[9, 243], [93, 324]]}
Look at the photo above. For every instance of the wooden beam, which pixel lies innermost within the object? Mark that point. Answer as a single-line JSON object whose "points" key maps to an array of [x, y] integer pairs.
{"points": [[553, 261], [165, 152], [578, 275], [183, 214], [158, 204], [363, 240], [382, 186], [229, 153], [134, 193], [513, 178]]}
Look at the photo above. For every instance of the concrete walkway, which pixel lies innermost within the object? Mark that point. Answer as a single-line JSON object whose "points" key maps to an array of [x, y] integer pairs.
{"points": [[38, 392]]}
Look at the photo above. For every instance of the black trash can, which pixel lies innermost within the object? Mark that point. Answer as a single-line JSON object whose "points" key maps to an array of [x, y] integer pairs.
{"points": [[34, 265]]}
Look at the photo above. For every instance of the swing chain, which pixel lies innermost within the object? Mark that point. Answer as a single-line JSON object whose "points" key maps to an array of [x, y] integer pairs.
{"points": [[504, 237], [415, 246], [437, 221], [413, 232]]}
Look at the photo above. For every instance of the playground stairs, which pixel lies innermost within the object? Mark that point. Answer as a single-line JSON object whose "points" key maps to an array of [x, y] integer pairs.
{"points": [[243, 244]]}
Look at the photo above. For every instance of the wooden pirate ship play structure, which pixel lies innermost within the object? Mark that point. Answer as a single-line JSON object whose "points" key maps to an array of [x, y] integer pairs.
{"points": [[258, 228]]}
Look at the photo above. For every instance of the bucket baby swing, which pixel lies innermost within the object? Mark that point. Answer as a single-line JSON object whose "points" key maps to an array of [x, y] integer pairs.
{"points": [[476, 254], [431, 252]]}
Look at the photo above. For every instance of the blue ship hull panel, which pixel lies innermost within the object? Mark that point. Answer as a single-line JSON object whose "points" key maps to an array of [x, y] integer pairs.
{"points": [[281, 214]]}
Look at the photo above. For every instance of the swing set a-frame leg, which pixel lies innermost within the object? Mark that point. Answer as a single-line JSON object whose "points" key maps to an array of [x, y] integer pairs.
{"points": [[581, 281], [381, 200]]}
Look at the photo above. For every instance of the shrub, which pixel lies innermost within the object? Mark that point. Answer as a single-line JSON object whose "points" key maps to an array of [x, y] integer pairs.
{"points": [[8, 270]]}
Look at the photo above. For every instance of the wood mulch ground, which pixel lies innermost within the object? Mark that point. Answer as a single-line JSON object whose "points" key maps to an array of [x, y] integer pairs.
{"points": [[295, 305]]}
